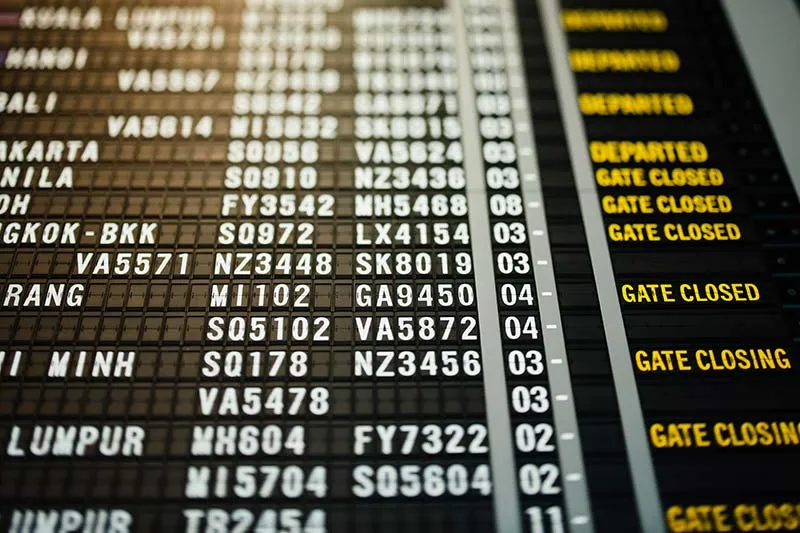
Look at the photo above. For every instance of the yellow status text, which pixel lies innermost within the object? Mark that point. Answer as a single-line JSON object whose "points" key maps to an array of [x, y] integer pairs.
{"points": [[636, 104], [614, 20], [598, 60]]}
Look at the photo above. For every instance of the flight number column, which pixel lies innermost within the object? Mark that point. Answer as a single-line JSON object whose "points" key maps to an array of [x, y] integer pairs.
{"points": [[416, 332], [259, 408]]}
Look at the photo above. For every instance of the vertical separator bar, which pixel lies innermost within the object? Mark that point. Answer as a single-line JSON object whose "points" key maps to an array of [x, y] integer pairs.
{"points": [[645, 487], [768, 35], [498, 420], [570, 453]]}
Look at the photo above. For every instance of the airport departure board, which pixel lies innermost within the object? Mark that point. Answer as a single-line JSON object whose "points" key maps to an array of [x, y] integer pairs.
{"points": [[375, 266]]}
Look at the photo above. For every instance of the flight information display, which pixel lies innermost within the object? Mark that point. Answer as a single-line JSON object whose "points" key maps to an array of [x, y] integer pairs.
{"points": [[339, 266]]}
